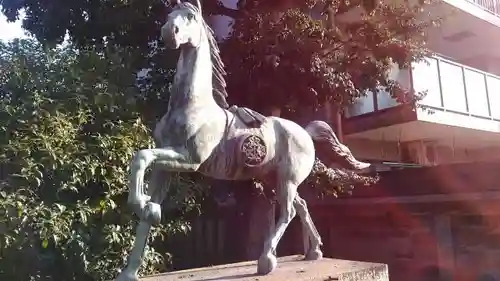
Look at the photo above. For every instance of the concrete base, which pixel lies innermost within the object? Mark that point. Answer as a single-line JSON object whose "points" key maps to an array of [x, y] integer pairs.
{"points": [[291, 268]]}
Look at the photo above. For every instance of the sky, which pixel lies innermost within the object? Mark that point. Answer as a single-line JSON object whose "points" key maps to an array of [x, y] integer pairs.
{"points": [[9, 31]]}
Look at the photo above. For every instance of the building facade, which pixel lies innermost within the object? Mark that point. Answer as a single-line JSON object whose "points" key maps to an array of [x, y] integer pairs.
{"points": [[459, 118], [441, 221]]}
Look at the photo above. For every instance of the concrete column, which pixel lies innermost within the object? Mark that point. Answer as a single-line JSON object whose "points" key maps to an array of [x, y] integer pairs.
{"points": [[444, 241], [275, 111], [421, 152], [336, 115]]}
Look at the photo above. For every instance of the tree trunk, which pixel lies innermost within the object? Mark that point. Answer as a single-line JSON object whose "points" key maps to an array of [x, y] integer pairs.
{"points": [[337, 120], [275, 111], [329, 109]]}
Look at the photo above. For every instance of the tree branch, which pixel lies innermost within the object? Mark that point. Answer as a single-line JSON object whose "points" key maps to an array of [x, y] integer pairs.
{"points": [[219, 9]]}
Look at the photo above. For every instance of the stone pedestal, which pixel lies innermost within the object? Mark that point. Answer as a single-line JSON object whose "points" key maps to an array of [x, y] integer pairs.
{"points": [[291, 268]]}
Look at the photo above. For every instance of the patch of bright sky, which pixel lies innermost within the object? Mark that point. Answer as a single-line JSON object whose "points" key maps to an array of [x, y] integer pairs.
{"points": [[222, 24], [10, 30]]}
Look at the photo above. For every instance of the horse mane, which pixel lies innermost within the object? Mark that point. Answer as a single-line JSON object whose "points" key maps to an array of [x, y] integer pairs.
{"points": [[218, 81]]}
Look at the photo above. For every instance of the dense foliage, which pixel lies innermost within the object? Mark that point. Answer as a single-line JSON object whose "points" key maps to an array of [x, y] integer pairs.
{"points": [[277, 52], [69, 124], [306, 53]]}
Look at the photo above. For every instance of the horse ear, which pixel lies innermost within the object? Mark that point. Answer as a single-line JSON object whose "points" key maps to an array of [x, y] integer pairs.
{"points": [[171, 2], [197, 3]]}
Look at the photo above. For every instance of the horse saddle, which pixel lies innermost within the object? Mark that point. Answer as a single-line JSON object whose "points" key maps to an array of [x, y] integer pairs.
{"points": [[249, 117]]}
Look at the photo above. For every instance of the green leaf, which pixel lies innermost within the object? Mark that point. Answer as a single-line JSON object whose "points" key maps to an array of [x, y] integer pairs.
{"points": [[55, 238], [38, 182], [60, 207], [45, 243], [102, 204], [83, 217]]}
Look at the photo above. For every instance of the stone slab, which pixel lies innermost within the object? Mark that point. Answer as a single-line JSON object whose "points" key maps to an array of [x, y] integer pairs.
{"points": [[291, 268]]}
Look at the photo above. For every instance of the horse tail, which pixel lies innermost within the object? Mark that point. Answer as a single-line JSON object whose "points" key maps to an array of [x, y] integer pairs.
{"points": [[334, 181], [325, 139], [342, 180]]}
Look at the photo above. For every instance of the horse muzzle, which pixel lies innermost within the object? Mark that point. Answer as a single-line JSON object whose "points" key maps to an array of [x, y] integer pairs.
{"points": [[169, 38]]}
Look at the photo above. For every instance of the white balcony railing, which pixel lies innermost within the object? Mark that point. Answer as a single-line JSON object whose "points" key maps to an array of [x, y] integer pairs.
{"points": [[492, 6], [450, 87]]}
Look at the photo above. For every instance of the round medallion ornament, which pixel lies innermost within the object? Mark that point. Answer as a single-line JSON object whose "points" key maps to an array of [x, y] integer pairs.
{"points": [[253, 150]]}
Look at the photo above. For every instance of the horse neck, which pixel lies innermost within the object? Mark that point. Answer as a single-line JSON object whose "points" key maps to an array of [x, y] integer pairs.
{"points": [[193, 78]]}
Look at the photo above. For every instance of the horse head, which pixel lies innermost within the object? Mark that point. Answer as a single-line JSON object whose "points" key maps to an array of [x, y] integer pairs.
{"points": [[183, 24]]}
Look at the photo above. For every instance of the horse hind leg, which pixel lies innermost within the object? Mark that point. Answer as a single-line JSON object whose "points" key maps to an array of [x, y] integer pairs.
{"points": [[158, 190], [286, 193], [314, 250]]}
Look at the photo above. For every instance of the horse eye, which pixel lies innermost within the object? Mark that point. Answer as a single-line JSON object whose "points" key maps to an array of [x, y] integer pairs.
{"points": [[190, 16]]}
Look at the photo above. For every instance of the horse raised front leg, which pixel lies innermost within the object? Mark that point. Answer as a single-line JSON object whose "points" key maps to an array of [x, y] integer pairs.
{"points": [[285, 195], [314, 251], [158, 189], [171, 160]]}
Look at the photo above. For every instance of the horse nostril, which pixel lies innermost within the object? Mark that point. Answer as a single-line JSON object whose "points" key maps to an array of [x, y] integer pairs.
{"points": [[176, 29]]}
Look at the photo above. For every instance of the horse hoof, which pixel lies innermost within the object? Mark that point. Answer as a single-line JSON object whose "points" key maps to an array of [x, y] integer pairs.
{"points": [[266, 264], [314, 255], [127, 276], [152, 213]]}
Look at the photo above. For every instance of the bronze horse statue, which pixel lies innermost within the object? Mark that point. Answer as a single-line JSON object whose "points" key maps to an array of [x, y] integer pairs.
{"points": [[201, 133]]}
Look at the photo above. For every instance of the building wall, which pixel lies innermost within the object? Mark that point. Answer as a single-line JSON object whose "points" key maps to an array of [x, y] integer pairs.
{"points": [[406, 242], [422, 242], [438, 223], [476, 245], [487, 63], [374, 150], [393, 151]]}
